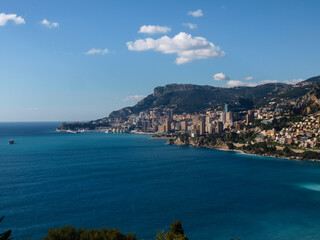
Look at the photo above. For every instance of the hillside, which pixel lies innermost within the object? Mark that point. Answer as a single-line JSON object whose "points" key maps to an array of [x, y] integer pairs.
{"points": [[194, 98], [310, 102]]}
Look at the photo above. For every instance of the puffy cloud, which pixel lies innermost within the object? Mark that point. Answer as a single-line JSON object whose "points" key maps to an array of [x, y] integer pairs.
{"points": [[133, 98], [93, 51], [235, 83], [294, 81], [190, 25], [248, 78], [268, 81], [151, 29], [4, 18], [197, 13], [187, 48], [220, 77], [261, 83], [48, 24]]}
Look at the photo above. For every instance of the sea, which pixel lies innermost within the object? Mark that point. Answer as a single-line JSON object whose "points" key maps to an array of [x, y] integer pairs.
{"points": [[52, 179]]}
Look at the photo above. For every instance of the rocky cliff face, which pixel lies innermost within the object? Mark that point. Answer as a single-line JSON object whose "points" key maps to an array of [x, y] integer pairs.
{"points": [[171, 88], [198, 142], [309, 100]]}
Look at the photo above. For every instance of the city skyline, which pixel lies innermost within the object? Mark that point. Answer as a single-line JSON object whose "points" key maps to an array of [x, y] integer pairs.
{"points": [[78, 61]]}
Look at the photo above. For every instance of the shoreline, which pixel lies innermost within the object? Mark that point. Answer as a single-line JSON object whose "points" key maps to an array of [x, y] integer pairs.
{"points": [[221, 147], [247, 153]]}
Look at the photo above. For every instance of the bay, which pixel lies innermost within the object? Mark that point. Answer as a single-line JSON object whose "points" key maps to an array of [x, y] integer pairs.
{"points": [[128, 181]]}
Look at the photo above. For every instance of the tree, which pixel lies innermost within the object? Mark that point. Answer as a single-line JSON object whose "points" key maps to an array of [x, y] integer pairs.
{"points": [[160, 235], [70, 233], [5, 235], [176, 232]]}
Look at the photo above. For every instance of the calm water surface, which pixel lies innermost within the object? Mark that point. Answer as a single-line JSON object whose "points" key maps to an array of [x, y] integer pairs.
{"points": [[130, 182]]}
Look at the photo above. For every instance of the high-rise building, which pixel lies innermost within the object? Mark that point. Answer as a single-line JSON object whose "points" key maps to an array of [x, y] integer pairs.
{"points": [[161, 128], [219, 127], [209, 128], [168, 125], [173, 126], [195, 120], [144, 126], [223, 117], [202, 127], [208, 120], [226, 107], [229, 118], [250, 116], [170, 114], [184, 126]]}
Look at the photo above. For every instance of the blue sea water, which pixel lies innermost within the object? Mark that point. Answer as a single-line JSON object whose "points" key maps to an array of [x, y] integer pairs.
{"points": [[50, 179]]}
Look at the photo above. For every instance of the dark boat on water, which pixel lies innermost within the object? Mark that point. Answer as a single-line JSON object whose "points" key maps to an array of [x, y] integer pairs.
{"points": [[11, 141]]}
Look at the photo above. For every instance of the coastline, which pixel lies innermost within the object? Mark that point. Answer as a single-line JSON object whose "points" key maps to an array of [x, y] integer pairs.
{"points": [[224, 148], [221, 146]]}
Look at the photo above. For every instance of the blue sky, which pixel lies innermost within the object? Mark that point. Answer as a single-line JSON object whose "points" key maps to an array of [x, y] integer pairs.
{"points": [[79, 60]]}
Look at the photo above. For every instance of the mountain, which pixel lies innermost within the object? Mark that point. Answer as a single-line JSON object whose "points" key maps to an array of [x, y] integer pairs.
{"points": [[310, 101], [191, 98]]}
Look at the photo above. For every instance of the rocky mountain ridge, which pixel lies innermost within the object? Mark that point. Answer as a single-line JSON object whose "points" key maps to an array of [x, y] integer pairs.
{"points": [[194, 98]]}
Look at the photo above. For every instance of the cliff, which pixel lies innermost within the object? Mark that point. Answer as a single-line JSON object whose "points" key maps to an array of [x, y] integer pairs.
{"points": [[310, 101]]}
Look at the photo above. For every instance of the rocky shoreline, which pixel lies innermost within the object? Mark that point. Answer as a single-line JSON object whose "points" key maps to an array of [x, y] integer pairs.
{"points": [[236, 147]]}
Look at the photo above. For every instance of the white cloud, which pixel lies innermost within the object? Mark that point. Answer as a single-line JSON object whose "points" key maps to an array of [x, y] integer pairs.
{"points": [[151, 29], [220, 77], [248, 78], [187, 48], [261, 83], [268, 81], [294, 81], [133, 98], [4, 18], [190, 25], [48, 24], [197, 13], [93, 51], [235, 83]]}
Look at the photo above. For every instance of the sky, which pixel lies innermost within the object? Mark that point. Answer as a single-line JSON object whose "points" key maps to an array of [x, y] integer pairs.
{"points": [[80, 60]]}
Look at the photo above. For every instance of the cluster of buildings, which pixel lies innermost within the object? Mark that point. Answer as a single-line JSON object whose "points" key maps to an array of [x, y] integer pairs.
{"points": [[304, 133], [162, 121]]}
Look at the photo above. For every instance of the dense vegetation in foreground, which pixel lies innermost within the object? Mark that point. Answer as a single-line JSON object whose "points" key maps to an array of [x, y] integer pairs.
{"points": [[175, 232]]}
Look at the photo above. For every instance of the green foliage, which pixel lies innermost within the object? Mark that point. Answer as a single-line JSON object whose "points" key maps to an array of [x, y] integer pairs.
{"points": [[5, 235], [160, 235], [175, 232], [310, 155], [70, 233], [288, 152], [260, 148], [183, 137], [82, 125], [276, 124], [231, 146]]}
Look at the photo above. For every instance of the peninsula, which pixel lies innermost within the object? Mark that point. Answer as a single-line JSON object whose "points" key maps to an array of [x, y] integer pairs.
{"points": [[274, 119]]}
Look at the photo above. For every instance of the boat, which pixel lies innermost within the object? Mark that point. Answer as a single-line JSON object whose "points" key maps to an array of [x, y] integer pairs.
{"points": [[11, 141]]}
